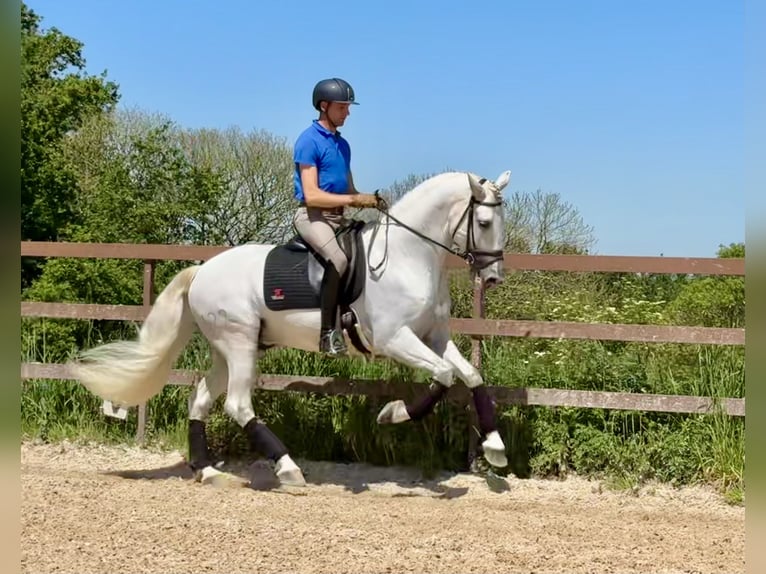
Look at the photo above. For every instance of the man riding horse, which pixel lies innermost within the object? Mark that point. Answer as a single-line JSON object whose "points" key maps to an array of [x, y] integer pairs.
{"points": [[324, 186], [255, 297]]}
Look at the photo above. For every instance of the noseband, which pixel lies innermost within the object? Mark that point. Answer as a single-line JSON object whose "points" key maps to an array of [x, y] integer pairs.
{"points": [[478, 259]]}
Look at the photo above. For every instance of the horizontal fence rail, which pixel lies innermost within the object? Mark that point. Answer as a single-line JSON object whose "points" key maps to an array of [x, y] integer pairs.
{"points": [[512, 261], [471, 327], [599, 331], [501, 395], [476, 327]]}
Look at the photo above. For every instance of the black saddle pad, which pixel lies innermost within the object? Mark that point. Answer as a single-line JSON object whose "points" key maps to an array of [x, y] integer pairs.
{"points": [[286, 282], [293, 273]]}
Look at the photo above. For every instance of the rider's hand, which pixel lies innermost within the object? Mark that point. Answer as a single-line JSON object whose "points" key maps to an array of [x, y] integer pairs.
{"points": [[364, 200]]}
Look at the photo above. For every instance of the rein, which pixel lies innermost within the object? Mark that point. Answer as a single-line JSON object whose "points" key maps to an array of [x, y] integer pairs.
{"points": [[476, 258]]}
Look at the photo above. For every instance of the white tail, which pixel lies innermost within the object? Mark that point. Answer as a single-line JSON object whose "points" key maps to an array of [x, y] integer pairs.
{"points": [[129, 373]]}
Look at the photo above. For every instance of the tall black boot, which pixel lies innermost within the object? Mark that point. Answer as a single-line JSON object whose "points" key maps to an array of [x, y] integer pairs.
{"points": [[330, 339]]}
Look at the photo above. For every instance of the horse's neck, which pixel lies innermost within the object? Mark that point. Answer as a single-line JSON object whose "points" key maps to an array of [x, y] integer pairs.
{"points": [[427, 210], [428, 207]]}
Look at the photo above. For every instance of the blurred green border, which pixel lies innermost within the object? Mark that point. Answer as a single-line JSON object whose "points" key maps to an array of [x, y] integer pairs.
{"points": [[10, 323], [755, 283]]}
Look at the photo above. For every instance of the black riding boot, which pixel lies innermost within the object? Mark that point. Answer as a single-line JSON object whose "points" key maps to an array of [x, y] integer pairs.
{"points": [[330, 339]]}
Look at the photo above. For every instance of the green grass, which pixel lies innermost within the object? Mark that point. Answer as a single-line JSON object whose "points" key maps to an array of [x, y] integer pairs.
{"points": [[623, 448]]}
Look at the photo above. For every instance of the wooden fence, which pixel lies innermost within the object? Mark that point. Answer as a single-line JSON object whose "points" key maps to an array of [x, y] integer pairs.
{"points": [[476, 327]]}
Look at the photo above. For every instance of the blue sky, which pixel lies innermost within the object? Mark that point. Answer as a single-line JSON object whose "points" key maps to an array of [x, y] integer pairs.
{"points": [[632, 111]]}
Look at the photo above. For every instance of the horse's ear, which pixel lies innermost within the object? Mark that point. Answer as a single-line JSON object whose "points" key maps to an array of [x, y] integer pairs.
{"points": [[476, 189], [503, 180]]}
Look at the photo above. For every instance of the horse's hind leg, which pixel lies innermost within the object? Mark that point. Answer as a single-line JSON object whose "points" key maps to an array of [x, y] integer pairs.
{"points": [[241, 358], [201, 401]]}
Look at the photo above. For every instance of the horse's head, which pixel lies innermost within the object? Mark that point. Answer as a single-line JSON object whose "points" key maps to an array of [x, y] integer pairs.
{"points": [[482, 227]]}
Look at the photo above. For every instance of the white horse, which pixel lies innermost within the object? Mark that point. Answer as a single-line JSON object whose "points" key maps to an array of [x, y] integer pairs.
{"points": [[402, 311]]}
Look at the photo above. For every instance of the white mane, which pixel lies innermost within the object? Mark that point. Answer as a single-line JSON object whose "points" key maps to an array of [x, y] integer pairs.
{"points": [[434, 190]]}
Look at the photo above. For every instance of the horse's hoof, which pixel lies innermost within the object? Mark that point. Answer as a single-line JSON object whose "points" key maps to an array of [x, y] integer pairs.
{"points": [[393, 412], [214, 477], [496, 458], [289, 473], [494, 450], [291, 477], [496, 483]]}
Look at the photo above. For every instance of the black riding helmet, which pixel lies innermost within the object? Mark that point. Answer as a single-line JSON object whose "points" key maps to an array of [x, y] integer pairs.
{"points": [[333, 90]]}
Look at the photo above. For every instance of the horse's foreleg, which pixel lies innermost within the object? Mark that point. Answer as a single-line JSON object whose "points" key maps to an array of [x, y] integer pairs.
{"points": [[494, 449]]}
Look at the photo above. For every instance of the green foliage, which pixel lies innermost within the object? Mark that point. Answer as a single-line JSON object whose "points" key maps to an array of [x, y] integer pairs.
{"points": [[115, 282], [56, 98], [712, 301], [136, 170], [140, 172], [55, 410], [732, 250]]}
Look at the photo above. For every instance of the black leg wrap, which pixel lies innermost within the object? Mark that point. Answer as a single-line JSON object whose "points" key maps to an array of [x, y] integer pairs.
{"points": [[425, 404], [199, 456], [485, 409], [264, 441]]}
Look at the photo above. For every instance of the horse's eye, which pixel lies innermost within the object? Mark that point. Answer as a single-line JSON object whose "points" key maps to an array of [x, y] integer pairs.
{"points": [[484, 224]]}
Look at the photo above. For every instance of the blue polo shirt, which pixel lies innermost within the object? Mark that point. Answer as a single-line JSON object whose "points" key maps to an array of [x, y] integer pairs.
{"points": [[329, 152]]}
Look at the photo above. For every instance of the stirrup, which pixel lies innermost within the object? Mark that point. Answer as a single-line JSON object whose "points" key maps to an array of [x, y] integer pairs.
{"points": [[332, 343]]}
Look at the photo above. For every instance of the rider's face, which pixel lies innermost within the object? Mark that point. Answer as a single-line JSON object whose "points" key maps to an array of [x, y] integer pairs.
{"points": [[337, 112]]}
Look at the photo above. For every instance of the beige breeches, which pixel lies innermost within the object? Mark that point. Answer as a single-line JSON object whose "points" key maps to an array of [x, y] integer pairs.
{"points": [[317, 227]]}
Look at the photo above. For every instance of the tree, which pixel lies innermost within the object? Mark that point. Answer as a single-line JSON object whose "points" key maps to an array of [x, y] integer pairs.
{"points": [[256, 173], [56, 97], [543, 223], [713, 301], [132, 163], [732, 250], [132, 184]]}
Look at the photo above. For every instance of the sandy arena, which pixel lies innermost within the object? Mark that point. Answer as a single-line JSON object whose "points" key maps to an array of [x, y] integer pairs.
{"points": [[88, 509]]}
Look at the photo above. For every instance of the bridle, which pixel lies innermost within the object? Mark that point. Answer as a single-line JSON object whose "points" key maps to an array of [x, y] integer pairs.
{"points": [[478, 259]]}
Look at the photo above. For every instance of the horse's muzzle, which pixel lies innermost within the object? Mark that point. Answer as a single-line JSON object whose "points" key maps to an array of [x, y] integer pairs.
{"points": [[493, 281], [479, 260]]}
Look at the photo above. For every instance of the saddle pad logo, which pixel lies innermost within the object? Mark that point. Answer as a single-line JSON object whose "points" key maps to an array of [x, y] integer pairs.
{"points": [[277, 294]]}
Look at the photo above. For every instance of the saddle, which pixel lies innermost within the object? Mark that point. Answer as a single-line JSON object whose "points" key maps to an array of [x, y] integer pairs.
{"points": [[293, 271]]}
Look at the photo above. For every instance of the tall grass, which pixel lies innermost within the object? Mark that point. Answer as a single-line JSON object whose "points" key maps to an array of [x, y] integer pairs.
{"points": [[625, 448]]}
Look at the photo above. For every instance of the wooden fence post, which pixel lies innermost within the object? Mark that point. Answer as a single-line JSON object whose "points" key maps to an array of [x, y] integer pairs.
{"points": [[148, 300], [477, 313]]}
